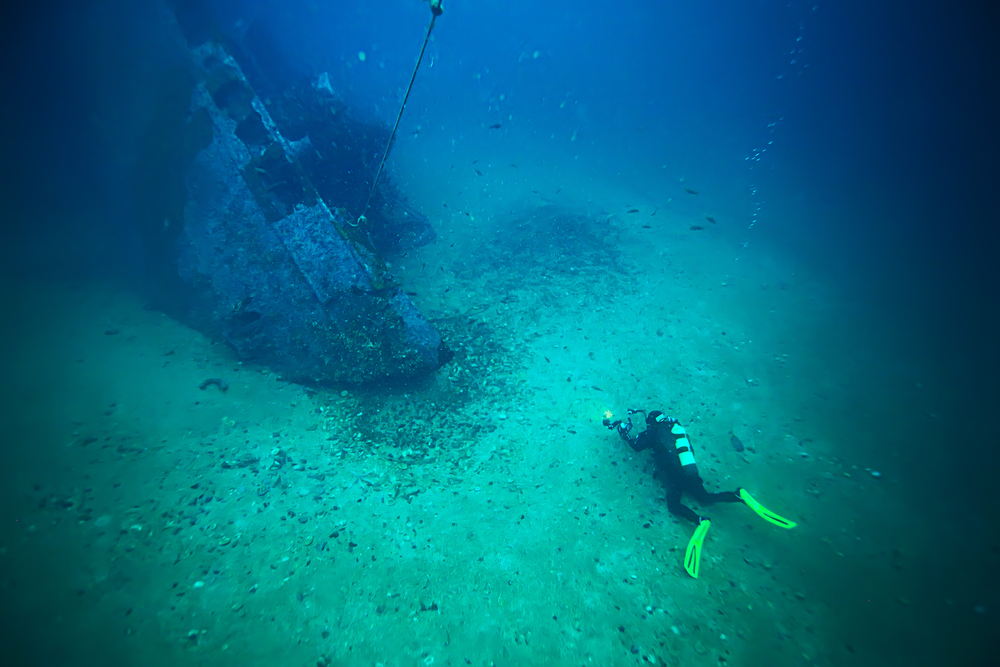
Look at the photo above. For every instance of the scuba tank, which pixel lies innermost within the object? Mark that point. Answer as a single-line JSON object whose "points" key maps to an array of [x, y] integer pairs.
{"points": [[681, 443]]}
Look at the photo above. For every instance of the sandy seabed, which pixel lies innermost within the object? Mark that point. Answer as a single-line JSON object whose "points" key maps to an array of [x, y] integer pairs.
{"points": [[483, 516]]}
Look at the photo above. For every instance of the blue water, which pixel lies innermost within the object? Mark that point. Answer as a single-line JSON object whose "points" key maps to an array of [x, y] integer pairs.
{"points": [[776, 220]]}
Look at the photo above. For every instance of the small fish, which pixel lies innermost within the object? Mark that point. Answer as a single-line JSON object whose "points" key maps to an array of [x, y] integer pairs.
{"points": [[647, 226], [479, 172], [690, 191], [710, 219], [736, 443], [695, 228], [633, 210], [495, 126]]}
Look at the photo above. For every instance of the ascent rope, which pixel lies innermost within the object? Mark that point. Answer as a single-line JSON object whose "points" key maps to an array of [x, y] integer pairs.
{"points": [[435, 12]]}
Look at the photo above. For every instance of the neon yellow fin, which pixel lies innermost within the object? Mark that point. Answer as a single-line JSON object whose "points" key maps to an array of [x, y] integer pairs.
{"points": [[765, 513], [692, 557]]}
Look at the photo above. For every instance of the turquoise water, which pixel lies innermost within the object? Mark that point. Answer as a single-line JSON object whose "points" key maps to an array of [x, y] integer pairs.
{"points": [[615, 243]]}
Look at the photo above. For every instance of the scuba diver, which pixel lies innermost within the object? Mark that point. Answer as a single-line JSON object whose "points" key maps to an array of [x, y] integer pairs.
{"points": [[676, 468]]}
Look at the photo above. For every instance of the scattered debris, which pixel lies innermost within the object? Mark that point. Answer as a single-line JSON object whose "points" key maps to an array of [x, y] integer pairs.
{"points": [[218, 382]]}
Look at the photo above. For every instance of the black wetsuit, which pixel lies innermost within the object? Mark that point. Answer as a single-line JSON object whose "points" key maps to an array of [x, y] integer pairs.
{"points": [[676, 478]]}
